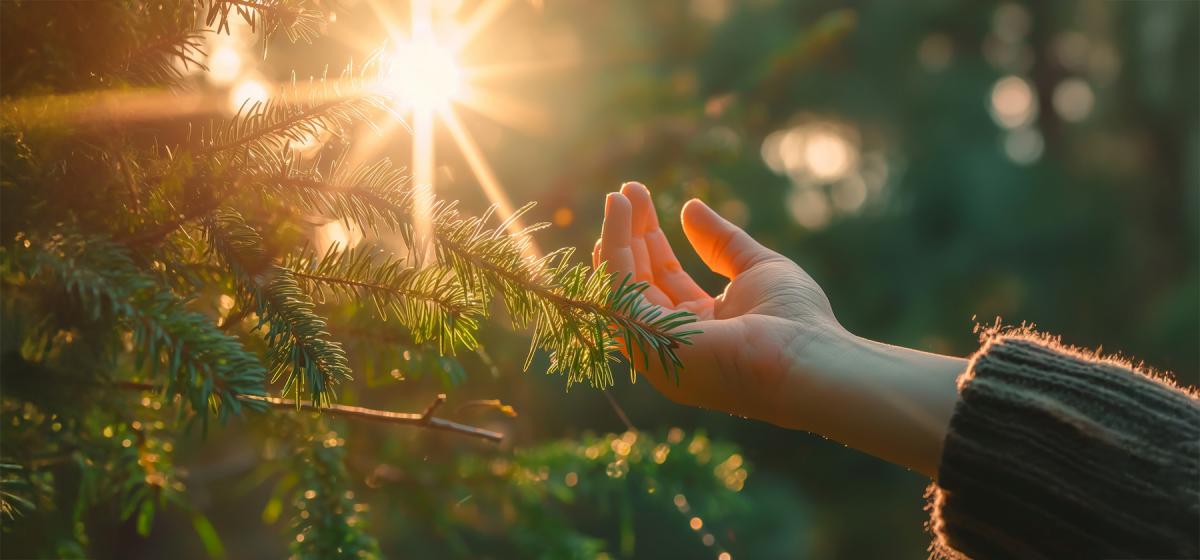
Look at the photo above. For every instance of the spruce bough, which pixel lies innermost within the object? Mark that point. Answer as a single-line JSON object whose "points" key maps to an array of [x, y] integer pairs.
{"points": [[118, 237]]}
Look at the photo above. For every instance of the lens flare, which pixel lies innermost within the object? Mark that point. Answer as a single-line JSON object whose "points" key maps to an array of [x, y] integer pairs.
{"points": [[423, 75]]}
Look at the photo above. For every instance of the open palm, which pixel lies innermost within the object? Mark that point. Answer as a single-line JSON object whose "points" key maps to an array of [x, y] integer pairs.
{"points": [[771, 308]]}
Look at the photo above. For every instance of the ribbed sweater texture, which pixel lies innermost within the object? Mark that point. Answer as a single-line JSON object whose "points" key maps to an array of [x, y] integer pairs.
{"points": [[1052, 453]]}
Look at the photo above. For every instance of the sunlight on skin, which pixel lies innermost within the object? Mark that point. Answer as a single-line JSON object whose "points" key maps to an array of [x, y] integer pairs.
{"points": [[770, 347]]}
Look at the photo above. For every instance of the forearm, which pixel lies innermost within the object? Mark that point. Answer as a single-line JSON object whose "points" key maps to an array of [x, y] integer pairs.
{"points": [[891, 402]]}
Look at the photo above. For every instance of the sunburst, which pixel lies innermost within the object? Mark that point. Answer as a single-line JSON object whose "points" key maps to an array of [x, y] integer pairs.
{"points": [[423, 72]]}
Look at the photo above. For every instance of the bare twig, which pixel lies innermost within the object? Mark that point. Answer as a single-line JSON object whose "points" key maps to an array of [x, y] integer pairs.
{"points": [[612, 401], [156, 232], [433, 406], [235, 318], [425, 419]]}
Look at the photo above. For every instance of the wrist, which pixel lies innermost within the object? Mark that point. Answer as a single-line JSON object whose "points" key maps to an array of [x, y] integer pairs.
{"points": [[814, 359], [889, 401]]}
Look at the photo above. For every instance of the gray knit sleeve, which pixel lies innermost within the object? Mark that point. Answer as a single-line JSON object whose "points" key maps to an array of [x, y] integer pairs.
{"points": [[1055, 454]]}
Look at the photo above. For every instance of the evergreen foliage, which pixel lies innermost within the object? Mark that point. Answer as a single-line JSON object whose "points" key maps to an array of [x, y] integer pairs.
{"points": [[159, 273]]}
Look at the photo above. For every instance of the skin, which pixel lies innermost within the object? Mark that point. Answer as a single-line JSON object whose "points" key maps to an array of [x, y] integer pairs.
{"points": [[771, 348]]}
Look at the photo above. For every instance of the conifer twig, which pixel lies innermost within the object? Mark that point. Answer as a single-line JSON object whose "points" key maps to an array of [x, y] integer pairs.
{"points": [[157, 232], [427, 416], [612, 401], [425, 419]]}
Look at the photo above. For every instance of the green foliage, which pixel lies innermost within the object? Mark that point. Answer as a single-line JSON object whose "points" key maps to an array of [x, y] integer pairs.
{"points": [[566, 499], [205, 366], [11, 486], [330, 524], [155, 278], [431, 302], [293, 17], [575, 313], [259, 131], [300, 348]]}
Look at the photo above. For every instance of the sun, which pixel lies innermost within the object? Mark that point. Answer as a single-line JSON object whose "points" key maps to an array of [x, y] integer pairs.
{"points": [[422, 74]]}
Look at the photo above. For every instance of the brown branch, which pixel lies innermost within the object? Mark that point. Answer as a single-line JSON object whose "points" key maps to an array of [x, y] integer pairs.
{"points": [[566, 304], [235, 318], [612, 401], [455, 308], [155, 233], [424, 420], [427, 416]]}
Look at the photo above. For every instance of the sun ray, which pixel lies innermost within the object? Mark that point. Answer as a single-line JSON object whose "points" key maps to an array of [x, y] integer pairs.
{"points": [[478, 21], [483, 172], [421, 18], [506, 110], [384, 15], [107, 106], [421, 74], [359, 42], [422, 172], [489, 72], [370, 142]]}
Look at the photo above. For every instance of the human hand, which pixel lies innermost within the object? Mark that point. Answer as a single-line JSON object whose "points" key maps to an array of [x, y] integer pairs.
{"points": [[770, 347], [742, 362]]}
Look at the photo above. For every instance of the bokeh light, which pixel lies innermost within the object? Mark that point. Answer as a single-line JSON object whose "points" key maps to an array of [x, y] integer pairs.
{"points": [[809, 208], [827, 155], [935, 52], [337, 231], [248, 92], [828, 170], [1013, 103], [1011, 22], [224, 64], [1024, 145], [1073, 99]]}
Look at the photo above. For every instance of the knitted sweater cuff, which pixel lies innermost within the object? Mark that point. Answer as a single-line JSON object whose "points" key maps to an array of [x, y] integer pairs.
{"points": [[1052, 453]]}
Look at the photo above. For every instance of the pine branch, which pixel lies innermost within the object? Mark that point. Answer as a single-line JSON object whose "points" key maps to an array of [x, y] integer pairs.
{"points": [[300, 349], [424, 419], [158, 61], [201, 362], [12, 486], [260, 130], [158, 231], [328, 525], [266, 17], [576, 313], [376, 196], [431, 303]]}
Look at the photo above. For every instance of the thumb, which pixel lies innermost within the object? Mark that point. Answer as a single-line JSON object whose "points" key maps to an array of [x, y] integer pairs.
{"points": [[724, 247]]}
